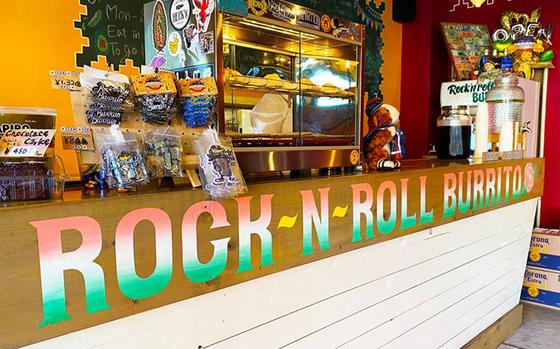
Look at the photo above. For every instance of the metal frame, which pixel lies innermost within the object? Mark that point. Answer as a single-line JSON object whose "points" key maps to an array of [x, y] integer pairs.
{"points": [[258, 159]]}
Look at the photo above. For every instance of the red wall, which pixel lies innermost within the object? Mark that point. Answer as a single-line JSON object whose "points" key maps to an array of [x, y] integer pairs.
{"points": [[426, 66]]}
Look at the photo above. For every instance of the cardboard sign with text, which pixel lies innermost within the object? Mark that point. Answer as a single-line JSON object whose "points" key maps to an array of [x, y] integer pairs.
{"points": [[65, 80], [25, 143], [77, 138]]}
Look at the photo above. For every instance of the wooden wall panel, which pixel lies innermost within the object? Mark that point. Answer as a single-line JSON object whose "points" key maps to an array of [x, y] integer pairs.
{"points": [[455, 278]]}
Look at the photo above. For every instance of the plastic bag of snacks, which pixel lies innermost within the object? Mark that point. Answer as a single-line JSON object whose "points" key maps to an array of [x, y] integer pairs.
{"points": [[219, 171], [164, 151], [198, 101], [106, 96], [123, 163], [155, 96]]}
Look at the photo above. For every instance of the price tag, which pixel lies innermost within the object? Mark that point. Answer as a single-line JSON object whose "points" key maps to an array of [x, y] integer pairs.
{"points": [[65, 80], [77, 138], [25, 142], [22, 151]]}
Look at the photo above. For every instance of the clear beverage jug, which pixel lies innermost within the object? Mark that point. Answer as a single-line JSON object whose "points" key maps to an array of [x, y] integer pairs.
{"points": [[505, 104]]}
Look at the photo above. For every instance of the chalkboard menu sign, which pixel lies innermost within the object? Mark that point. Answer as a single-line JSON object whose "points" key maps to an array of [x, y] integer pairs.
{"points": [[115, 29]]}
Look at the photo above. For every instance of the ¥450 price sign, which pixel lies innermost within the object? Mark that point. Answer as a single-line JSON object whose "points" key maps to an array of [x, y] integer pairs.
{"points": [[26, 142]]}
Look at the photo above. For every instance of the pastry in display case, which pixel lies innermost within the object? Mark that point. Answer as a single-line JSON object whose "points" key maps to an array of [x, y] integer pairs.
{"points": [[292, 88]]}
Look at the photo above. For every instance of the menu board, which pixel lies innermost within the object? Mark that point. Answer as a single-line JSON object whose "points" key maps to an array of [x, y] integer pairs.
{"points": [[466, 44], [114, 29], [179, 35]]}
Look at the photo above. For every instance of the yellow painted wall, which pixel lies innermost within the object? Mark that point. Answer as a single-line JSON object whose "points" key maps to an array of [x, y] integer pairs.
{"points": [[392, 55], [37, 36]]}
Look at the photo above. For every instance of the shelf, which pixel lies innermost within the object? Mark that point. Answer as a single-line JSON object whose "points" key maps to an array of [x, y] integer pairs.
{"points": [[267, 86]]}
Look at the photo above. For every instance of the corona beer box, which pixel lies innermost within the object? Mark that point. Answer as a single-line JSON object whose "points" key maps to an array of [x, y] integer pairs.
{"points": [[541, 287], [545, 249]]}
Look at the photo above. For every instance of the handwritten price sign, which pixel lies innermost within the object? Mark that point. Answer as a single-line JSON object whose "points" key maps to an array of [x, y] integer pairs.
{"points": [[25, 143], [65, 80], [77, 138]]}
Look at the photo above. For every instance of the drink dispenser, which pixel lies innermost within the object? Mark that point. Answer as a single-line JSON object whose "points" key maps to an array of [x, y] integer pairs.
{"points": [[454, 130], [505, 111]]}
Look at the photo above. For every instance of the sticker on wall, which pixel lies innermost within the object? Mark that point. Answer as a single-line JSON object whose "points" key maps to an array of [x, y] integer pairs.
{"points": [[326, 23], [159, 26], [180, 13], [203, 12], [308, 19], [258, 7], [207, 43], [174, 45]]}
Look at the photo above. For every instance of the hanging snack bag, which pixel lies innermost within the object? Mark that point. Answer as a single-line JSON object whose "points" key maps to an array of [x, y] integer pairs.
{"points": [[219, 170], [155, 96], [106, 96], [164, 151], [198, 101], [123, 163]]}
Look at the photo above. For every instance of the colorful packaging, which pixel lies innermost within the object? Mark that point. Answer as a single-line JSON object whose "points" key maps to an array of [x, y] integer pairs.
{"points": [[198, 101], [155, 96], [541, 287], [545, 249]]}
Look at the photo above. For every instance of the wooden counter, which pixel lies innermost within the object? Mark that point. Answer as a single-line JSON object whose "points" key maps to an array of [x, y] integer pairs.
{"points": [[71, 265]]}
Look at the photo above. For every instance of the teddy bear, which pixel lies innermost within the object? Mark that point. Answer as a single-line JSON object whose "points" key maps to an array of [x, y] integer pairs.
{"points": [[384, 142]]}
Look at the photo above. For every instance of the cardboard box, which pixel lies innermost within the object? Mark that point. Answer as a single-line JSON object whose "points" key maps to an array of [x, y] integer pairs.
{"points": [[545, 249], [542, 287]]}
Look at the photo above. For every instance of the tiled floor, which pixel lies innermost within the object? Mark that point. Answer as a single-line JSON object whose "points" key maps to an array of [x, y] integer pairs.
{"points": [[540, 330]]}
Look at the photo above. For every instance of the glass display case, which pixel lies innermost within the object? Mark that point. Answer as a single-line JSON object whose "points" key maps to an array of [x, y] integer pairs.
{"points": [[291, 88]]}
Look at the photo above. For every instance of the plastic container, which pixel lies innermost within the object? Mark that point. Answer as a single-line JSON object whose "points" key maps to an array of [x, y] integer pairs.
{"points": [[29, 188], [454, 131], [30, 181]]}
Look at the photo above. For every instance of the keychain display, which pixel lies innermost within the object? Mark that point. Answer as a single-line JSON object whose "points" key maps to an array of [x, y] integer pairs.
{"points": [[198, 101], [155, 96], [164, 151], [123, 164], [219, 170], [106, 96]]}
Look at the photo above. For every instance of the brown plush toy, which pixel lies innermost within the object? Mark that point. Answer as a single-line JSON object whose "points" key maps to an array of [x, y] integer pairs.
{"points": [[383, 145]]}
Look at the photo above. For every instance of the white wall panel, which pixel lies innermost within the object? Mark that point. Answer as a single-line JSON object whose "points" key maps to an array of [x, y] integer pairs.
{"points": [[449, 279]]}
